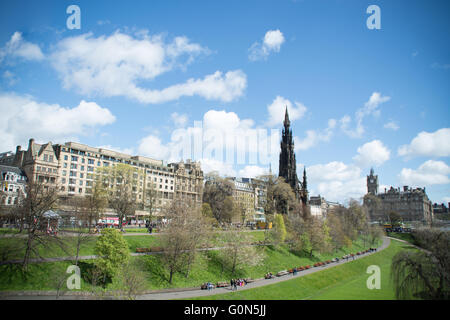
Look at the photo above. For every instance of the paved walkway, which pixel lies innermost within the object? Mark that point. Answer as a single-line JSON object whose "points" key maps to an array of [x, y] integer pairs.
{"points": [[170, 294]]}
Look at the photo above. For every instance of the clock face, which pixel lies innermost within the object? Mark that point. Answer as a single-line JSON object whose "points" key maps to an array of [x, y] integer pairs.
{"points": [[371, 180]]}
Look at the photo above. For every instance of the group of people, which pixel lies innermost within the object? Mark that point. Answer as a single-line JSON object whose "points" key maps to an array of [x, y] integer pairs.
{"points": [[237, 283]]}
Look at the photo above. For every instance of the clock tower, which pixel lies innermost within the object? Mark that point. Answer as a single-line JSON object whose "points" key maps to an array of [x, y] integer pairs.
{"points": [[372, 183]]}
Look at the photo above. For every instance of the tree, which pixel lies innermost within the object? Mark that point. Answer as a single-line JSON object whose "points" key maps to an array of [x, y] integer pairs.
{"points": [[279, 230], [182, 236], [95, 202], [336, 231], [215, 192], [424, 274], [237, 251], [394, 218], [280, 197], [121, 182], [32, 210], [228, 209], [112, 251], [131, 280], [80, 211]]}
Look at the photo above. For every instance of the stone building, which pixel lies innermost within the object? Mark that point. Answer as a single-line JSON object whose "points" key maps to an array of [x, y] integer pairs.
{"points": [[319, 207], [12, 185], [71, 167], [411, 204]]}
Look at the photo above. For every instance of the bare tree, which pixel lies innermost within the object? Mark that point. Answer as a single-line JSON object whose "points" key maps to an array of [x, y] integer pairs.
{"points": [[120, 181], [181, 237], [237, 250], [32, 209]]}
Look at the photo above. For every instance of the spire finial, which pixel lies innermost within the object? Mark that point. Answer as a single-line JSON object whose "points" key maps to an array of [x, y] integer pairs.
{"points": [[287, 123]]}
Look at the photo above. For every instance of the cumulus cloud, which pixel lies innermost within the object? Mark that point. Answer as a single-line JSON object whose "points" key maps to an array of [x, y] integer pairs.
{"points": [[431, 144], [273, 39], [313, 137], [23, 118], [277, 109], [429, 173], [18, 47], [336, 181], [221, 136], [372, 153], [116, 65], [370, 109]]}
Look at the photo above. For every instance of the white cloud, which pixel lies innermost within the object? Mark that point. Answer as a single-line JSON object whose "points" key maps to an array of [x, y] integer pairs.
{"points": [[313, 137], [372, 153], [336, 181], [370, 108], [221, 136], [277, 110], [179, 119], [117, 64], [151, 146], [223, 169], [23, 118], [253, 171], [434, 144], [18, 47], [273, 39], [429, 173], [392, 125]]}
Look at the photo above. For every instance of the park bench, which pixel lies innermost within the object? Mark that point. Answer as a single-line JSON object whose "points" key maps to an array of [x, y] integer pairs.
{"points": [[222, 284], [282, 273]]}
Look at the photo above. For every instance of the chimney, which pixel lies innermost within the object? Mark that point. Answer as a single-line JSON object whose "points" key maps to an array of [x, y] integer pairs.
{"points": [[30, 143], [18, 148], [405, 188]]}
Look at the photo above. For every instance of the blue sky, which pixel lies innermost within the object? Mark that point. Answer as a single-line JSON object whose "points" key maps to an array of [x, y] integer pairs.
{"points": [[137, 76]]}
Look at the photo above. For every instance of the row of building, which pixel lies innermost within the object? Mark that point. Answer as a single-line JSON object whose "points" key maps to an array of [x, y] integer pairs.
{"points": [[71, 166]]}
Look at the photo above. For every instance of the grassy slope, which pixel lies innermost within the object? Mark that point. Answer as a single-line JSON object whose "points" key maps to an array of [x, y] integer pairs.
{"points": [[343, 282], [206, 268]]}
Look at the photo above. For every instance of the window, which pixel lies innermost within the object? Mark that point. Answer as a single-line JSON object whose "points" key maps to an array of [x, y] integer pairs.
{"points": [[73, 166], [90, 169], [63, 180], [38, 168], [64, 172], [81, 175], [82, 168], [91, 161], [82, 160], [74, 158], [50, 158], [66, 157], [73, 174], [81, 182], [65, 165], [45, 157]]}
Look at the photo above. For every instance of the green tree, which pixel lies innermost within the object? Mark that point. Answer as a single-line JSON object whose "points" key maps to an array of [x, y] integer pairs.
{"points": [[112, 251], [424, 274], [215, 192], [279, 230]]}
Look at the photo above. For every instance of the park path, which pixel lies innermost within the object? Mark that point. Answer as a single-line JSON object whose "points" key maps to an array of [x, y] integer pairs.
{"points": [[186, 293]]}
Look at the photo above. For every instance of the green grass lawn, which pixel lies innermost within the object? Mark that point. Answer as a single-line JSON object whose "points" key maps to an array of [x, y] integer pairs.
{"points": [[206, 268], [402, 236], [344, 282]]}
